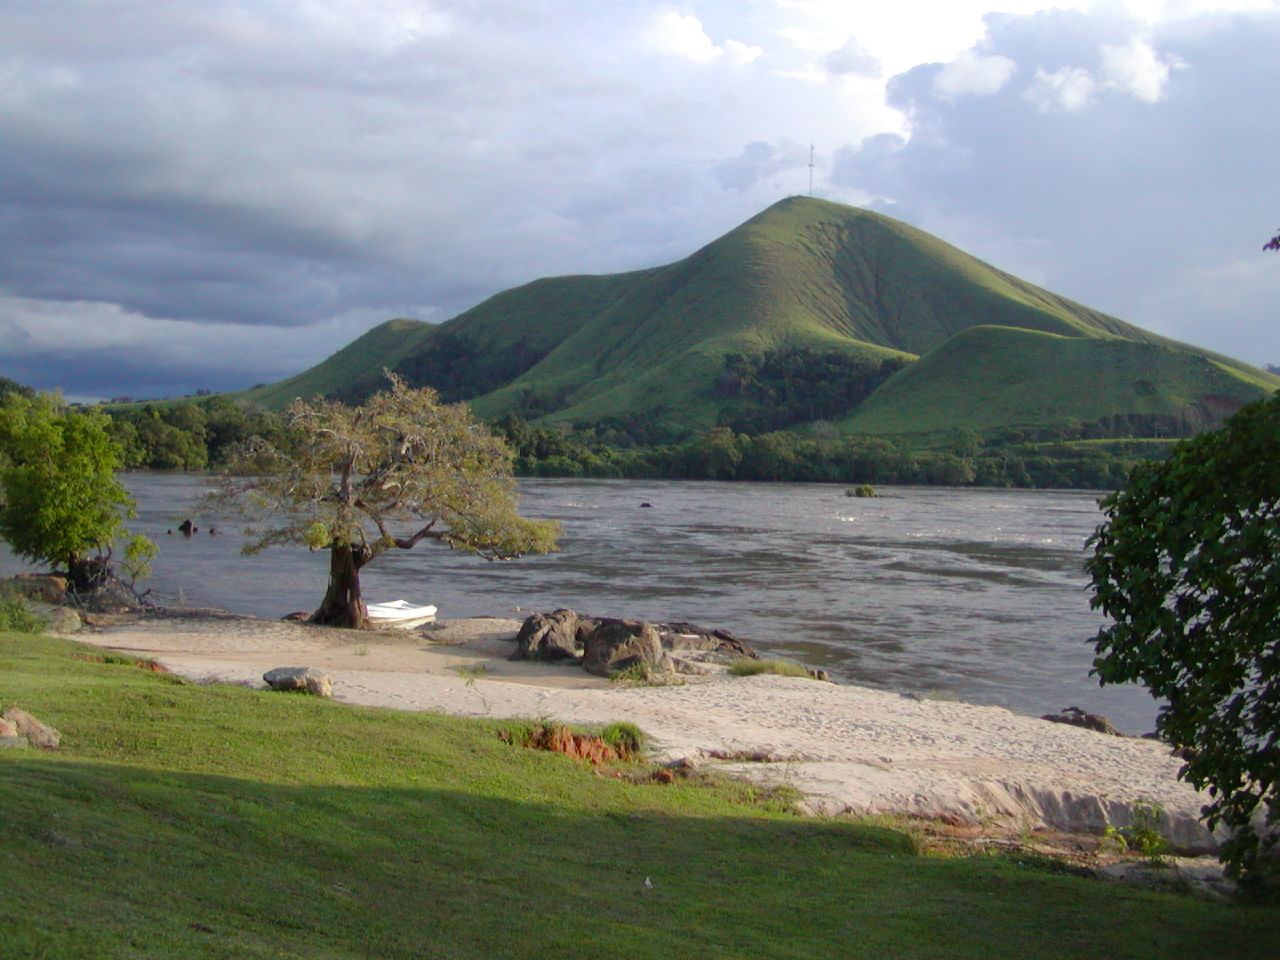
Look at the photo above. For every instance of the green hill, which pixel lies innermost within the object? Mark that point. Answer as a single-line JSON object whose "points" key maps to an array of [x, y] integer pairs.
{"points": [[724, 337], [358, 362], [989, 378]]}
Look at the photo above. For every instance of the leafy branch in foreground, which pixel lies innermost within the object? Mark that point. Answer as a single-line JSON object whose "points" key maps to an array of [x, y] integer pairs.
{"points": [[396, 470], [1187, 566]]}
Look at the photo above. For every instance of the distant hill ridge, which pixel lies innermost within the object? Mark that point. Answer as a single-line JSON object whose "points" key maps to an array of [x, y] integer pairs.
{"points": [[934, 339]]}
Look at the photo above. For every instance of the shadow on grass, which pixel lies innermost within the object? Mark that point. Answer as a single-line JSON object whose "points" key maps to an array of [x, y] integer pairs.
{"points": [[106, 860], [191, 821]]}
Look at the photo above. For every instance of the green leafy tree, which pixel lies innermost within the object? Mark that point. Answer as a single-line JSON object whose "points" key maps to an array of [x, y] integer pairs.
{"points": [[1187, 566], [60, 501], [396, 470]]}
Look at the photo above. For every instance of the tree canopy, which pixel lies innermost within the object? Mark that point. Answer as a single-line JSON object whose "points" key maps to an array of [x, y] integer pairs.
{"points": [[400, 468], [60, 502], [1187, 566]]}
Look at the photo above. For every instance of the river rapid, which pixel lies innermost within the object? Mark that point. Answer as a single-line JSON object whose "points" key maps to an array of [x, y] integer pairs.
{"points": [[972, 594]]}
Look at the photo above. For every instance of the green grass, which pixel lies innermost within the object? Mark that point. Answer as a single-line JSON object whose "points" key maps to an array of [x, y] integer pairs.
{"points": [[991, 378], [781, 668], [214, 821], [360, 361]]}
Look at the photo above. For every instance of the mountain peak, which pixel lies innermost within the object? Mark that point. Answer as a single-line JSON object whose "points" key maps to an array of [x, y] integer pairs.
{"points": [[804, 278]]}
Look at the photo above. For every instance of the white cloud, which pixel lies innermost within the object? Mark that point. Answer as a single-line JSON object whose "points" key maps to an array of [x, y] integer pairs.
{"points": [[1136, 69], [683, 35], [1070, 88], [742, 53], [972, 74], [852, 59]]}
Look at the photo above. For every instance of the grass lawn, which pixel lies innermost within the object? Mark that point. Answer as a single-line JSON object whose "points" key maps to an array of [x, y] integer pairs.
{"points": [[180, 820]]}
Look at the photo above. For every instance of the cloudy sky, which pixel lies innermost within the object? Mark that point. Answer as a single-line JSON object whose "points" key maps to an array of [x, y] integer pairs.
{"points": [[222, 193]]}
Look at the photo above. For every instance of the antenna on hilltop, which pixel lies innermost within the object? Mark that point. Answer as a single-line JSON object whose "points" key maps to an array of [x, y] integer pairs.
{"points": [[811, 169]]}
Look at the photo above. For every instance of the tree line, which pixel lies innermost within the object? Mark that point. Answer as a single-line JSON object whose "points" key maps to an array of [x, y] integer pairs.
{"points": [[202, 435]]}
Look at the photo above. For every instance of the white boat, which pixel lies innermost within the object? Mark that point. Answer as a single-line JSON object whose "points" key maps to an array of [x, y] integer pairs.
{"points": [[400, 613]]}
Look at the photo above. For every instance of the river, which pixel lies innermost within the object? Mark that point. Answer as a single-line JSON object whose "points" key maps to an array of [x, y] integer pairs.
{"points": [[972, 594]]}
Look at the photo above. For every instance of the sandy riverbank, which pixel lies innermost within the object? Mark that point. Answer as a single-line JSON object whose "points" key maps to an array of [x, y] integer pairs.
{"points": [[843, 747]]}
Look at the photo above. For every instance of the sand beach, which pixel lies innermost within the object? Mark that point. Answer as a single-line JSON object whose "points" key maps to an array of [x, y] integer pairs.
{"points": [[845, 748]]}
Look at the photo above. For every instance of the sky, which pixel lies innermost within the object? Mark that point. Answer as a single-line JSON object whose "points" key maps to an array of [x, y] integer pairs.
{"points": [[217, 194]]}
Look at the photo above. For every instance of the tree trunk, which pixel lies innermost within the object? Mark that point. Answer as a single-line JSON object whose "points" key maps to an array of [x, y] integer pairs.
{"points": [[342, 605], [84, 576]]}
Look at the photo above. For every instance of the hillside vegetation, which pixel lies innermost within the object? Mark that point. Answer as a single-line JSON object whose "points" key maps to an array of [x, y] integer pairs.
{"points": [[982, 350], [180, 820]]}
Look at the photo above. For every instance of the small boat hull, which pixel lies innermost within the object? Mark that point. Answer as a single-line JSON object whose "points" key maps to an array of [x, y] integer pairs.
{"points": [[400, 614]]}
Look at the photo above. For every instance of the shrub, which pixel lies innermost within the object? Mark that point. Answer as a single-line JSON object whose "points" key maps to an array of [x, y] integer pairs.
{"points": [[643, 675], [16, 616], [626, 738], [782, 668], [1187, 566]]}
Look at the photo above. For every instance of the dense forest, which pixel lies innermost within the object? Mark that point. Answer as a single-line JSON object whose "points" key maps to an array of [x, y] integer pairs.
{"points": [[782, 388], [197, 434]]}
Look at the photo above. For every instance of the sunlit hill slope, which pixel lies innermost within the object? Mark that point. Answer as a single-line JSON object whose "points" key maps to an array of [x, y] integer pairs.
{"points": [[724, 337]]}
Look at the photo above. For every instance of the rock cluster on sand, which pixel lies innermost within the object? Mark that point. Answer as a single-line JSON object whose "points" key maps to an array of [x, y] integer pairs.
{"points": [[19, 729], [606, 645]]}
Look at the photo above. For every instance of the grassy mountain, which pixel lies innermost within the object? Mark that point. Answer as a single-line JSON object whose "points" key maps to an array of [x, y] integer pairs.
{"points": [[690, 345], [990, 377], [358, 362]]}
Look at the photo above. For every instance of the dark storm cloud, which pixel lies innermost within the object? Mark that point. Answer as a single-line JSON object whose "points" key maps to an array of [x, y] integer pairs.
{"points": [[228, 192]]}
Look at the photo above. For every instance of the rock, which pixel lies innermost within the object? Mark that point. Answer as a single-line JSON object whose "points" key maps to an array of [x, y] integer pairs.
{"points": [[819, 675], [688, 642], [13, 742], [298, 616], [38, 734], [681, 767], [550, 637], [62, 620], [1079, 718], [45, 587], [616, 644], [680, 637], [585, 626], [8, 728], [187, 528], [299, 678], [689, 668]]}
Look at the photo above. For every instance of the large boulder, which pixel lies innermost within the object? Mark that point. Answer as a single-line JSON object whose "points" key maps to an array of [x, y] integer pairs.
{"points": [[618, 644], [309, 679], [550, 637], [36, 733]]}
